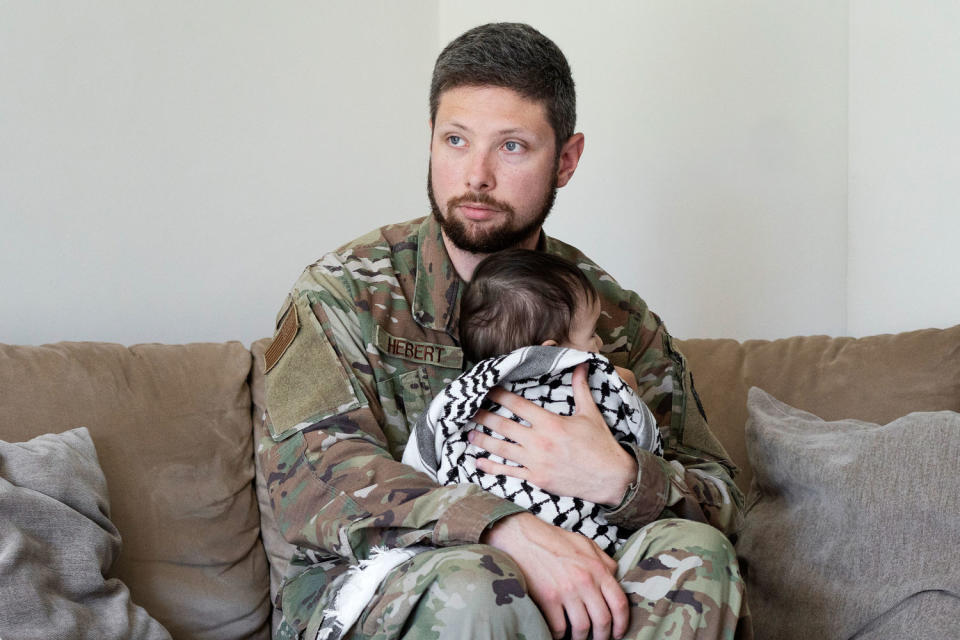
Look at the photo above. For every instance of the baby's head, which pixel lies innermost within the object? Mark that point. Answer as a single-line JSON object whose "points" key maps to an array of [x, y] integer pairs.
{"points": [[518, 298]]}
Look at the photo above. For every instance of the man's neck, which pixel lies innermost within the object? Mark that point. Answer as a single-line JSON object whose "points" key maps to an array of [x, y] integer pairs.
{"points": [[465, 262]]}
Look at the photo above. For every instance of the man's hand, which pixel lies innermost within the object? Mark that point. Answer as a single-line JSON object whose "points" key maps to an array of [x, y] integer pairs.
{"points": [[564, 572], [564, 455]]}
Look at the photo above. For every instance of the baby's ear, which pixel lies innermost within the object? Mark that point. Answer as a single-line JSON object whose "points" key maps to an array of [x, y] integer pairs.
{"points": [[549, 343]]}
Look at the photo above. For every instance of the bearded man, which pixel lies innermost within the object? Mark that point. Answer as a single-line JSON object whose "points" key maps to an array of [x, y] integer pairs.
{"points": [[368, 335]]}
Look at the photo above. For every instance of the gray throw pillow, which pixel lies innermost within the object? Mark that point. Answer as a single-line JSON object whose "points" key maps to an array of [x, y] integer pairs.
{"points": [[57, 545], [852, 529]]}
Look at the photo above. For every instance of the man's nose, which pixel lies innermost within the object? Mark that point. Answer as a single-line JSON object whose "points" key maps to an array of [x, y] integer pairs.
{"points": [[480, 173]]}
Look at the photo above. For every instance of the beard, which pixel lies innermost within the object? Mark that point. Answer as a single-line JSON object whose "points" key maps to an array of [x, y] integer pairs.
{"points": [[504, 236]]}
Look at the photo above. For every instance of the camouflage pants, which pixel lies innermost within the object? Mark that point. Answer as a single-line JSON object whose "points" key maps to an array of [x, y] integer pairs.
{"points": [[681, 578]]}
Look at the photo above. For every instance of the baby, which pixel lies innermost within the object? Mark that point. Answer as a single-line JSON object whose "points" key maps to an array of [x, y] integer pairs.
{"points": [[517, 299], [528, 319]]}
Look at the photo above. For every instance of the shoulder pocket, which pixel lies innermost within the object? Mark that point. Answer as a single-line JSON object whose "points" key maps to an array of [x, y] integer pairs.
{"points": [[305, 381]]}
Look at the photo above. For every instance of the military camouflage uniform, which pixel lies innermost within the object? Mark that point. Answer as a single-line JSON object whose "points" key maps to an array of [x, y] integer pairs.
{"points": [[366, 338]]}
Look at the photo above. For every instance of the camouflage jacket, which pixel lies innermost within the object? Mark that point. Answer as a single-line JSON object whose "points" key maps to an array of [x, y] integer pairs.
{"points": [[368, 335]]}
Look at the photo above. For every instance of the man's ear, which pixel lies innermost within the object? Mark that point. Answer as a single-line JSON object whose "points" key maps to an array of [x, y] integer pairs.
{"points": [[569, 158], [549, 343]]}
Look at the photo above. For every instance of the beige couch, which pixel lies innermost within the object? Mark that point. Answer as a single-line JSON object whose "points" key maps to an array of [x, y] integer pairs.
{"points": [[175, 428]]}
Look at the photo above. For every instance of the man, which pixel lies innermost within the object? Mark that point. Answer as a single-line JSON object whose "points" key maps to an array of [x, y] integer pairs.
{"points": [[368, 335]]}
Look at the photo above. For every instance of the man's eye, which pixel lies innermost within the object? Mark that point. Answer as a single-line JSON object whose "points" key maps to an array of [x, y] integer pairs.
{"points": [[512, 145], [455, 141]]}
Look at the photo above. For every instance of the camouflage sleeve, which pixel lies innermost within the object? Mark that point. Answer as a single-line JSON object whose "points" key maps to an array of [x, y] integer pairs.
{"points": [[333, 483], [694, 479]]}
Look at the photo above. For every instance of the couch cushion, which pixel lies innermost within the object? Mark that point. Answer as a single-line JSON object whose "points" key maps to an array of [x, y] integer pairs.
{"points": [[57, 543], [851, 523], [877, 378], [171, 425]]}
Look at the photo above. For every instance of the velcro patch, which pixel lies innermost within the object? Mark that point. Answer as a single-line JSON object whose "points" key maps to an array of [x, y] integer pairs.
{"points": [[283, 338], [440, 355]]}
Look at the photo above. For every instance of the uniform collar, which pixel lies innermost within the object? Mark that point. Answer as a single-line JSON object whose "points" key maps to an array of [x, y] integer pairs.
{"points": [[436, 301], [436, 298]]}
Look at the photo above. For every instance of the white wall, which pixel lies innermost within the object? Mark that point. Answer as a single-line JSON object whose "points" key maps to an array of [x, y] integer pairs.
{"points": [[167, 171], [904, 165], [713, 181]]}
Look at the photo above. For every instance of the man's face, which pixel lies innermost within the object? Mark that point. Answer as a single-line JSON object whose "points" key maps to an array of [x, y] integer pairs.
{"points": [[493, 168]]}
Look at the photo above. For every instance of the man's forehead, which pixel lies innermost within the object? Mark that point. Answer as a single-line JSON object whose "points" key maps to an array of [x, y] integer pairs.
{"points": [[470, 105]]}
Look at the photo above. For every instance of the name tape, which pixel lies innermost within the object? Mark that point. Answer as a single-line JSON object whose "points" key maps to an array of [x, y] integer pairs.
{"points": [[441, 355]]}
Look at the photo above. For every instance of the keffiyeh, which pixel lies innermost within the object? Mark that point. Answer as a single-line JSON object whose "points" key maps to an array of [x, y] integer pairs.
{"points": [[439, 445]]}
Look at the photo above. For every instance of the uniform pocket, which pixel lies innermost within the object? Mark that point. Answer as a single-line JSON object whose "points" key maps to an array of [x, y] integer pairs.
{"points": [[403, 399], [302, 597]]}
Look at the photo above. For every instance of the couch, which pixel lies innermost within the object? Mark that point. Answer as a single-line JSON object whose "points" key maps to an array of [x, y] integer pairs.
{"points": [[175, 429]]}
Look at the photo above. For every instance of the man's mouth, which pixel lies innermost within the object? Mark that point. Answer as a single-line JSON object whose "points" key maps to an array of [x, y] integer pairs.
{"points": [[479, 207], [476, 211]]}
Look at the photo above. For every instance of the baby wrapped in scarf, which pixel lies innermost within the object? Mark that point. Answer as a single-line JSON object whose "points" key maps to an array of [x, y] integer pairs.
{"points": [[519, 298]]}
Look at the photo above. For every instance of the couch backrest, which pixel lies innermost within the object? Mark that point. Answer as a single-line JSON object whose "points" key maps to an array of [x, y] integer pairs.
{"points": [[171, 425], [877, 378]]}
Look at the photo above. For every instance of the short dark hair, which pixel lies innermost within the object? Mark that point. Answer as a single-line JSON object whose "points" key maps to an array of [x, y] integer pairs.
{"points": [[519, 298], [514, 56]]}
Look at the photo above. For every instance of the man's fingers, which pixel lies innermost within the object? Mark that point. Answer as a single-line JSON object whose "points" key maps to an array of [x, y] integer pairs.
{"points": [[579, 618], [618, 605], [553, 614], [532, 413], [497, 469], [581, 391], [610, 609], [599, 612], [565, 576], [504, 426], [496, 446]]}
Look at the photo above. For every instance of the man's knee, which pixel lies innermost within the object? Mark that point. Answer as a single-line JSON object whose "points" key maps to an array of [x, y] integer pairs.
{"points": [[681, 578], [480, 574], [688, 534], [472, 591], [678, 550]]}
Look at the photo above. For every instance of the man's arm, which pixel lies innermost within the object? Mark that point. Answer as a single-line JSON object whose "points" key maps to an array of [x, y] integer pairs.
{"points": [[694, 479], [578, 456], [335, 488], [566, 574], [333, 484]]}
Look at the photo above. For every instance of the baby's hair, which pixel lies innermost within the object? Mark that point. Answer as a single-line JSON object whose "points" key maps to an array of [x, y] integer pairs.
{"points": [[518, 298]]}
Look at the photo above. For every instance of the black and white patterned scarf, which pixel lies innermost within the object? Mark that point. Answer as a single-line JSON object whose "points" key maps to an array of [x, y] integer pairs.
{"points": [[439, 445]]}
